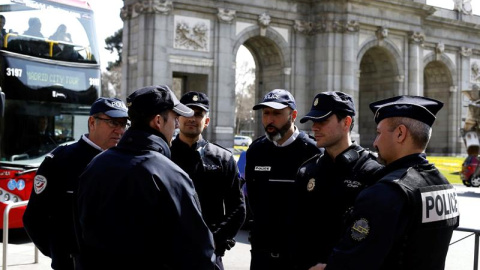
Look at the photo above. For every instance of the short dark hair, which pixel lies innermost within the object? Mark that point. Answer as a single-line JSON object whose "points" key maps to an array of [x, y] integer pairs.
{"points": [[420, 131], [140, 120], [341, 115]]}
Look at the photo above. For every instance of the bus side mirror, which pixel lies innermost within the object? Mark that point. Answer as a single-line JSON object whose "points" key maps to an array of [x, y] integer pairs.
{"points": [[2, 103]]}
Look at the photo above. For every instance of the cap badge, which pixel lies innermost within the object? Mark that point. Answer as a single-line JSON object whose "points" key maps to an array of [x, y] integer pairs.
{"points": [[360, 229], [315, 103], [311, 184], [195, 98]]}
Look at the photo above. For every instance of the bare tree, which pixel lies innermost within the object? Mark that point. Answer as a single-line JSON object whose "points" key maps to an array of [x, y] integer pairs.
{"points": [[245, 93]]}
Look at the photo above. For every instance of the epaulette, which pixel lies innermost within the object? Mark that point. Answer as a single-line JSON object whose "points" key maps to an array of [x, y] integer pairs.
{"points": [[59, 149], [221, 146]]}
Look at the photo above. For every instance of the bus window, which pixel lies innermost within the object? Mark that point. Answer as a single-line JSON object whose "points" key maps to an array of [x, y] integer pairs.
{"points": [[65, 34]]}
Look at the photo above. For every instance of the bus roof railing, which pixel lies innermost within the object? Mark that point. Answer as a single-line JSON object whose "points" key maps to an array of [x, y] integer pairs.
{"points": [[38, 46]]}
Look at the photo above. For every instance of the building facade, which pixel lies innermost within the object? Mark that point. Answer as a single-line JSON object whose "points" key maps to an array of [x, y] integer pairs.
{"points": [[371, 49]]}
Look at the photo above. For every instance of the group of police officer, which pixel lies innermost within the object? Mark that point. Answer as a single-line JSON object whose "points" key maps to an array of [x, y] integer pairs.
{"points": [[154, 201], [341, 207]]}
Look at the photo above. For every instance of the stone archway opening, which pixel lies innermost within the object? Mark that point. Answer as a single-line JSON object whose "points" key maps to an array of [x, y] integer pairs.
{"points": [[377, 81], [244, 92], [268, 75], [437, 83]]}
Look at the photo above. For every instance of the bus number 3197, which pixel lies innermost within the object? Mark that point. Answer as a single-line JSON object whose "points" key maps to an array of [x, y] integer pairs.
{"points": [[14, 72]]}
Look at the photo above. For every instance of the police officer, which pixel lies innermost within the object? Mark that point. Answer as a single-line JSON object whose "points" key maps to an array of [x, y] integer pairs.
{"points": [[406, 219], [214, 173], [272, 162], [48, 218], [328, 184], [138, 209]]}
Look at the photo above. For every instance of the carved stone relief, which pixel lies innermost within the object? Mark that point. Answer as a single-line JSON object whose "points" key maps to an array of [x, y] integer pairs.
{"points": [[226, 15], [339, 26], [416, 38], [475, 71], [381, 33], [463, 6], [191, 33], [467, 52], [146, 7]]}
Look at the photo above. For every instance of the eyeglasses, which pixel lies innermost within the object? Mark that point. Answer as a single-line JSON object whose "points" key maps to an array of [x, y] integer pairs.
{"points": [[114, 123]]}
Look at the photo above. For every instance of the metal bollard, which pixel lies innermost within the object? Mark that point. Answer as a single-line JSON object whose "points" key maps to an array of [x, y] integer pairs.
{"points": [[475, 232], [5, 232]]}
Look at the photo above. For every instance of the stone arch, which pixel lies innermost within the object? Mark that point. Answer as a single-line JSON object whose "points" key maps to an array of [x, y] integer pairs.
{"points": [[380, 76], [271, 53], [439, 74]]}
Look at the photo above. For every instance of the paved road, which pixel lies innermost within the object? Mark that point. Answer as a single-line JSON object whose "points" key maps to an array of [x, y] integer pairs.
{"points": [[460, 256]]}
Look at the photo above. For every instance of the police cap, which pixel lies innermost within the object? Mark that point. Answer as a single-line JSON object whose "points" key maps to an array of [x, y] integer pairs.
{"points": [[328, 103], [196, 99], [416, 107], [112, 107], [277, 99]]}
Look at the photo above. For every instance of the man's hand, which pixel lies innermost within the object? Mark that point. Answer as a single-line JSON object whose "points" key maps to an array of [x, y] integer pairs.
{"points": [[319, 266]]}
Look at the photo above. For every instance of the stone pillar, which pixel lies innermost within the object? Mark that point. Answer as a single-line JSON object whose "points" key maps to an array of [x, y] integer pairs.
{"points": [[349, 68], [224, 79], [303, 31], [464, 81], [415, 63], [146, 37]]}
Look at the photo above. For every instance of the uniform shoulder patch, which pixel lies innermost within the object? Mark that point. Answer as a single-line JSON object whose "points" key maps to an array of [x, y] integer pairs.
{"points": [[39, 183], [311, 184], [360, 229]]}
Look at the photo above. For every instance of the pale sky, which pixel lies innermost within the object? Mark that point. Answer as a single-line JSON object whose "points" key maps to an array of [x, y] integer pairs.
{"points": [[107, 17]]}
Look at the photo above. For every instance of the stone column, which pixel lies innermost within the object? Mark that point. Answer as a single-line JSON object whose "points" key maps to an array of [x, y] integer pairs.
{"points": [[465, 83], [224, 79], [415, 63], [146, 39], [349, 68]]}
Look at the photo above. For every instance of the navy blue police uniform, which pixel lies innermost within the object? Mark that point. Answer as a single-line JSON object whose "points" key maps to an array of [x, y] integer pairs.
{"points": [[46, 218], [270, 173], [406, 219], [215, 175], [137, 209], [50, 213], [327, 189], [216, 178]]}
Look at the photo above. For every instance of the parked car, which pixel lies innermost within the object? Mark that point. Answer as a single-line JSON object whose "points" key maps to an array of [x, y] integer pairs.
{"points": [[242, 140]]}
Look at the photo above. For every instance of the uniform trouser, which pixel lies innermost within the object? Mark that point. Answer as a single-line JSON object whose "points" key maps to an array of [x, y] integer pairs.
{"points": [[263, 260]]}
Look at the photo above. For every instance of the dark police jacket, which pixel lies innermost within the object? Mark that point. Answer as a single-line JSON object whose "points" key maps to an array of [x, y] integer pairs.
{"points": [[270, 173], [48, 218], [215, 175], [139, 210], [326, 190], [404, 221]]}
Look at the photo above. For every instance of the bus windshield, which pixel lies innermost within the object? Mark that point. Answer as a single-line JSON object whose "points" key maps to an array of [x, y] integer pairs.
{"points": [[49, 29], [49, 76]]}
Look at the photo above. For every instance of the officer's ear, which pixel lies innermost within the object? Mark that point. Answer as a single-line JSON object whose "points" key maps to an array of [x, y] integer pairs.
{"points": [[294, 115], [401, 133], [156, 122], [207, 121]]}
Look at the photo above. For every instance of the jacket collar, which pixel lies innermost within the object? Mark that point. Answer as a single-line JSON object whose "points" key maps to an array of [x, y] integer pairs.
{"points": [[141, 140]]}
